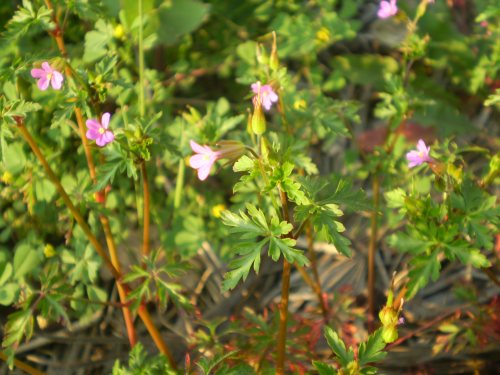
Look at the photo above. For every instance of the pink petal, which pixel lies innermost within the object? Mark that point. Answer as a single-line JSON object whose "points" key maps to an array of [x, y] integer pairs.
{"points": [[38, 73], [197, 148], [105, 120], [57, 80], [198, 160], [422, 147], [92, 134], [203, 172], [93, 124], [46, 67], [43, 83], [100, 141], [108, 136], [256, 87], [273, 96]]}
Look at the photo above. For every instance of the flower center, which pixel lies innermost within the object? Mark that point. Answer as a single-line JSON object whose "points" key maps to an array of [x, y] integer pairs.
{"points": [[102, 130], [421, 154]]}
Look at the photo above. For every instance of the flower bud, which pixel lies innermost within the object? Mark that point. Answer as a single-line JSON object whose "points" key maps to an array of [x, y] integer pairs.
{"points": [[274, 62], [258, 119], [389, 334], [388, 316], [230, 150]]}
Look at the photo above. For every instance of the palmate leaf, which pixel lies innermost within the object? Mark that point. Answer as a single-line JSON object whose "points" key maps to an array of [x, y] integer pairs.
{"points": [[323, 220], [341, 192], [371, 350], [240, 267], [343, 355], [324, 369], [250, 227], [27, 19], [423, 268]]}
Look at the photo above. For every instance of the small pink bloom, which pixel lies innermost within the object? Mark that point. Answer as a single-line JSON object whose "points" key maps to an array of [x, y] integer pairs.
{"points": [[387, 9], [203, 160], [47, 76], [265, 94], [99, 132], [419, 156]]}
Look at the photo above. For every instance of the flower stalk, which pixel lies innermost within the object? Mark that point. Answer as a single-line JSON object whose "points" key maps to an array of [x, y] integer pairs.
{"points": [[143, 313]]}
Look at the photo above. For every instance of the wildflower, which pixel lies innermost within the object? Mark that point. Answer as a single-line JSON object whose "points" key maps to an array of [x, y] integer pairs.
{"points": [[217, 210], [205, 157], [265, 95], [99, 132], [47, 76], [387, 9], [49, 251], [203, 160], [419, 156]]}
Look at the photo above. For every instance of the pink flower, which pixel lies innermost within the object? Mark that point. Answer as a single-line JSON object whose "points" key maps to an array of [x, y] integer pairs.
{"points": [[47, 76], [99, 132], [203, 160], [265, 94], [419, 156], [387, 9]]}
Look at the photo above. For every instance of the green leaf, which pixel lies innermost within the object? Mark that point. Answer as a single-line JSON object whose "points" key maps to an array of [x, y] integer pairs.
{"points": [[26, 259], [19, 324], [240, 267], [406, 243], [27, 19], [284, 246], [462, 250], [13, 157], [324, 369], [324, 221], [5, 272], [395, 198], [96, 41], [422, 269], [371, 351], [337, 345], [244, 164], [8, 293], [179, 17]]}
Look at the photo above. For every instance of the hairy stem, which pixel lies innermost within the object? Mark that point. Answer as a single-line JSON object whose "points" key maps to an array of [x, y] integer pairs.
{"points": [[22, 365], [146, 210], [285, 293], [143, 313], [142, 108], [58, 36], [372, 247], [314, 266]]}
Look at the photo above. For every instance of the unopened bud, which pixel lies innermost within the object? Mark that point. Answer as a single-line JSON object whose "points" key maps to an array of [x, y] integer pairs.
{"points": [[274, 62], [388, 316], [389, 334], [258, 119]]}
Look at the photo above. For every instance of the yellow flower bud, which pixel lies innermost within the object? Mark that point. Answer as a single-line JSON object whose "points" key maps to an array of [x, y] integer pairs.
{"points": [[217, 210], [7, 178], [49, 251]]}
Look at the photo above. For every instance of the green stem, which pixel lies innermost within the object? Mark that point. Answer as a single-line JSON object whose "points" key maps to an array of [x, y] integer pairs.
{"points": [[285, 294], [372, 247], [179, 185], [146, 209], [142, 108]]}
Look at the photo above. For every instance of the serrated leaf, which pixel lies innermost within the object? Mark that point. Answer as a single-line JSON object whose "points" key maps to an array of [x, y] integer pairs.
{"points": [[467, 255], [371, 350], [244, 164], [240, 267], [343, 355], [423, 268], [324, 369]]}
